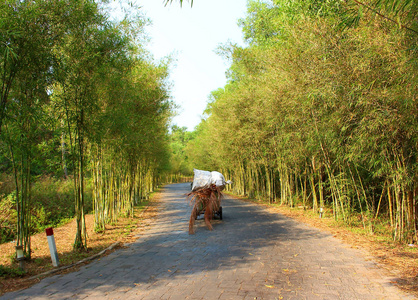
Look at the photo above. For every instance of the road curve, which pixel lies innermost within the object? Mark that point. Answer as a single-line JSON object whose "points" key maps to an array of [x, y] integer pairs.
{"points": [[250, 254]]}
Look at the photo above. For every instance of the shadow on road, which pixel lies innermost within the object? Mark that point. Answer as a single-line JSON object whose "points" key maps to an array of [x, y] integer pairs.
{"points": [[167, 252]]}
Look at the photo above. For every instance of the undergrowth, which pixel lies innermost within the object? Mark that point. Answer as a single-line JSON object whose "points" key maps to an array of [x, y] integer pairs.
{"points": [[52, 204], [7, 272]]}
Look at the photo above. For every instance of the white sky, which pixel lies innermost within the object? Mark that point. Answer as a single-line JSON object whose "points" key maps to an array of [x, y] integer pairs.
{"points": [[192, 34]]}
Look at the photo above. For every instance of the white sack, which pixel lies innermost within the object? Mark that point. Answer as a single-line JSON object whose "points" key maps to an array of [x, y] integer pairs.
{"points": [[204, 179], [217, 179]]}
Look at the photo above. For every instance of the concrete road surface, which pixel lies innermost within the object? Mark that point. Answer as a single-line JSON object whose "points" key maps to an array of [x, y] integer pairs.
{"points": [[250, 254]]}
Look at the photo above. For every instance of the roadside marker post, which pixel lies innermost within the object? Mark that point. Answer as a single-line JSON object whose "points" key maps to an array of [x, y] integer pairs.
{"points": [[20, 256], [52, 247]]}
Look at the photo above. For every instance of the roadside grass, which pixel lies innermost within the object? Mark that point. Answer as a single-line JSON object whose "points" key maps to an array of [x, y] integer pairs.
{"points": [[125, 231]]}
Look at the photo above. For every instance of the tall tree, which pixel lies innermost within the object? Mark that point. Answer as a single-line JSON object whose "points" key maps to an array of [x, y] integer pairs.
{"points": [[27, 39], [86, 46]]}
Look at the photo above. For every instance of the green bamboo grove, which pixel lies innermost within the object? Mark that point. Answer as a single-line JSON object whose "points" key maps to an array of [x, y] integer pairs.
{"points": [[80, 99], [320, 111]]}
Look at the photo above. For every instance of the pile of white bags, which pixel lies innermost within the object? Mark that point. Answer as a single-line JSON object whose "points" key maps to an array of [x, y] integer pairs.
{"points": [[204, 179]]}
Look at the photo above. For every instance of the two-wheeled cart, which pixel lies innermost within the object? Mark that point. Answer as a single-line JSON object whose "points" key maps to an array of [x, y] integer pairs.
{"points": [[216, 214], [205, 197]]}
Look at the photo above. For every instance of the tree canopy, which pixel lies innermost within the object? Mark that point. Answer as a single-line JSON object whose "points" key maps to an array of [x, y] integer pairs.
{"points": [[80, 98], [319, 110]]}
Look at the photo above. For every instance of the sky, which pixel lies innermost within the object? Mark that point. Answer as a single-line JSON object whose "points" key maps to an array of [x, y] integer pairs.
{"points": [[192, 35]]}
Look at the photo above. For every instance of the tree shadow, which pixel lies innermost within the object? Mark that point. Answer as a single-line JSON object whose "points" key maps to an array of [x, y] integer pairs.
{"points": [[167, 252]]}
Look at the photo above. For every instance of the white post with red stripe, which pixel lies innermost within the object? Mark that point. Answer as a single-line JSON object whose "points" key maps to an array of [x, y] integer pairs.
{"points": [[52, 247]]}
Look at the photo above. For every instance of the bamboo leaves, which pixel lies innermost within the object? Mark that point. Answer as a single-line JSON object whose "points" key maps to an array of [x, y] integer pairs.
{"points": [[79, 87], [402, 13], [321, 116]]}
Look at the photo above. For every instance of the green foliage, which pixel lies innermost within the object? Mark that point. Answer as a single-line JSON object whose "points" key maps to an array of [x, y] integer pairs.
{"points": [[402, 13], [179, 140], [198, 155], [53, 202], [8, 217], [7, 272], [52, 205], [80, 100], [317, 116]]}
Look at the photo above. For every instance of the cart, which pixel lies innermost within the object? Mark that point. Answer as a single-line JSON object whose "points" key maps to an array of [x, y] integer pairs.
{"points": [[205, 197], [217, 214]]}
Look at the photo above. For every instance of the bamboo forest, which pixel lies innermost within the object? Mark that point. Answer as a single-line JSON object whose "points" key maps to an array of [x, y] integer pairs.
{"points": [[84, 117], [319, 111]]}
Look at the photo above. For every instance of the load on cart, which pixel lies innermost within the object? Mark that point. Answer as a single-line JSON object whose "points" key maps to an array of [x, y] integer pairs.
{"points": [[206, 196]]}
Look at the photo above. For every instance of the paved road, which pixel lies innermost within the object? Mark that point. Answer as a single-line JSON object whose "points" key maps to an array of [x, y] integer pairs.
{"points": [[251, 254]]}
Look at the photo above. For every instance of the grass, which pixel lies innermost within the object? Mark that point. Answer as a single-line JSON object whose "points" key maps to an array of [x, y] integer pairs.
{"points": [[10, 272]]}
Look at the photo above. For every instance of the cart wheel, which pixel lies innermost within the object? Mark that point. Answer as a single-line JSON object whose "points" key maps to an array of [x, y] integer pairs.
{"points": [[220, 212]]}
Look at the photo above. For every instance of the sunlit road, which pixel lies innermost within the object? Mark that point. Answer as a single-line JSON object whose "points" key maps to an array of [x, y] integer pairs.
{"points": [[250, 254]]}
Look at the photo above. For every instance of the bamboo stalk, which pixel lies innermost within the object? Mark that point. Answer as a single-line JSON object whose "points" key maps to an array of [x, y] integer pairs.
{"points": [[390, 206], [380, 200]]}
